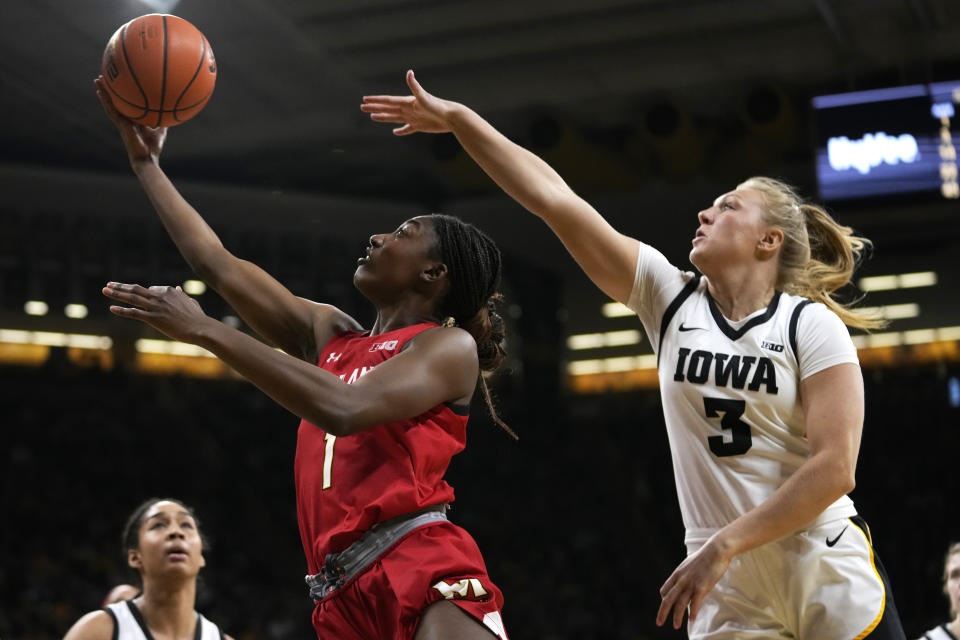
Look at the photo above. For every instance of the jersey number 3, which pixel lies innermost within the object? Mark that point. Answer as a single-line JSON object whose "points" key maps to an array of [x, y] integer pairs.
{"points": [[731, 410]]}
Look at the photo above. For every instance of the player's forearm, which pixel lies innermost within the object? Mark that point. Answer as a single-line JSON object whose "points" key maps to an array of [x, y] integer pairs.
{"points": [[521, 174], [819, 482], [197, 242], [302, 388]]}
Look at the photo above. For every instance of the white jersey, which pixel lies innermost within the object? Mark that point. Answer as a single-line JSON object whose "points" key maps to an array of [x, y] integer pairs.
{"points": [[129, 624], [939, 633], [730, 390]]}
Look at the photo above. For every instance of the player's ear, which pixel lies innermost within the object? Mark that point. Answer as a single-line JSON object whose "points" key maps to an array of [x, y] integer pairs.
{"points": [[133, 559], [769, 243], [433, 273]]}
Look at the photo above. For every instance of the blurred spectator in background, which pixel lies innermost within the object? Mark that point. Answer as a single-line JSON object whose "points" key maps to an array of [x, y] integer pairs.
{"points": [[951, 587]]}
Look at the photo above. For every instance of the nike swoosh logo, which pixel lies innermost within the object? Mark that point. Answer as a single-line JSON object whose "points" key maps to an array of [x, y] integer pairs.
{"points": [[683, 328], [830, 542]]}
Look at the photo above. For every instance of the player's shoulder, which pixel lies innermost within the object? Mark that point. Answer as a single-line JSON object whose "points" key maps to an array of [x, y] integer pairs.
{"points": [[454, 341], [327, 321], [210, 631], [809, 315], [333, 317], [96, 625]]}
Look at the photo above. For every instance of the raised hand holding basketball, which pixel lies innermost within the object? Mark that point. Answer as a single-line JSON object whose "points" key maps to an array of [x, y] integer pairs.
{"points": [[141, 143], [420, 111]]}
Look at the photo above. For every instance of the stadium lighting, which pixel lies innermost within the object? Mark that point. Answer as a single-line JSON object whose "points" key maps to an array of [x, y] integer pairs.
{"points": [[894, 311], [616, 310], [161, 6], [608, 339], [76, 311], [54, 339], [171, 347], [36, 308], [195, 287], [898, 281], [611, 365]]}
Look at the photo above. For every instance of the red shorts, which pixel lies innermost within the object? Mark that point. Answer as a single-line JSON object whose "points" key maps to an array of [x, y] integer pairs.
{"points": [[431, 563]]}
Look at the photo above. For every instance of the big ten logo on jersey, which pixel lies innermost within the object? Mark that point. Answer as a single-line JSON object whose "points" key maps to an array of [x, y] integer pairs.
{"points": [[389, 345], [771, 346], [696, 366], [466, 589]]}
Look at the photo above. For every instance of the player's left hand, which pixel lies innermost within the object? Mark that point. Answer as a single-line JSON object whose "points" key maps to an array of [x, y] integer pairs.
{"points": [[143, 144], [691, 582], [420, 111], [167, 309]]}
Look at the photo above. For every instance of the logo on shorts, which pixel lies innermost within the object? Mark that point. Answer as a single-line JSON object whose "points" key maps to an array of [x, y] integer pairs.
{"points": [[461, 590], [830, 542]]}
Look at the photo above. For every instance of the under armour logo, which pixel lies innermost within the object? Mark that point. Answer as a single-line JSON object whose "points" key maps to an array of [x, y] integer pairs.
{"points": [[333, 357]]}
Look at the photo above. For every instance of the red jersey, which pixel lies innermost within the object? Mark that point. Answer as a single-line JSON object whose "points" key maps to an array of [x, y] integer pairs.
{"points": [[347, 484]]}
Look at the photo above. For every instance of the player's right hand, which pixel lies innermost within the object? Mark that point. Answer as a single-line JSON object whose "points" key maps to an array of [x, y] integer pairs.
{"points": [[142, 143], [420, 111]]}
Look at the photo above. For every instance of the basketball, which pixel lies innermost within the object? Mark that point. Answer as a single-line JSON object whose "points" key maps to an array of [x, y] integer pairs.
{"points": [[159, 70]]}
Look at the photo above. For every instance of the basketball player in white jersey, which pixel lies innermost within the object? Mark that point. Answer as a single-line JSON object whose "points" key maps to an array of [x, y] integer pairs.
{"points": [[761, 388], [951, 587], [164, 546]]}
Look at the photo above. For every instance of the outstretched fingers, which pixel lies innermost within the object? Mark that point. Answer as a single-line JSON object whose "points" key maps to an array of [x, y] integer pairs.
{"points": [[389, 110], [675, 596], [415, 88], [130, 312], [386, 101], [106, 102], [132, 294]]}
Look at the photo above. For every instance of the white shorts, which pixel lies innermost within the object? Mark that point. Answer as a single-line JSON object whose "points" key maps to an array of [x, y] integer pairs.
{"points": [[824, 583]]}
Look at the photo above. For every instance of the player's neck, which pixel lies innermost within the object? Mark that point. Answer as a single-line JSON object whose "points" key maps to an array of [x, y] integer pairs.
{"points": [[168, 610], [955, 626], [404, 314], [737, 295]]}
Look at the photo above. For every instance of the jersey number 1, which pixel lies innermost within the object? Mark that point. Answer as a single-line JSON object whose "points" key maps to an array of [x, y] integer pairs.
{"points": [[329, 441], [730, 421]]}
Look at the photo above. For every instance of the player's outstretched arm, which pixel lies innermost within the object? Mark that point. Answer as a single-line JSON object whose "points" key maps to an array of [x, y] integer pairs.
{"points": [[295, 325], [607, 256], [439, 365]]}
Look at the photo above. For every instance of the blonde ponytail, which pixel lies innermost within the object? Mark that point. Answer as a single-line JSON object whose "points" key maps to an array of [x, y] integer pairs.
{"points": [[818, 255]]}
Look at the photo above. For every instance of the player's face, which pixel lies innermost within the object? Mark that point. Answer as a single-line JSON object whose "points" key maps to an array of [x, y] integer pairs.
{"points": [[169, 542], [729, 231], [952, 588], [393, 262]]}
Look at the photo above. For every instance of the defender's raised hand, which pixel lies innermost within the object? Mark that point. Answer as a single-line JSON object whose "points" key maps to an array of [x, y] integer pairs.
{"points": [[420, 111]]}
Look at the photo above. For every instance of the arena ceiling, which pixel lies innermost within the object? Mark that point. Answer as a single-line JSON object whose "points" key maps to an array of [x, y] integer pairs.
{"points": [[591, 85]]}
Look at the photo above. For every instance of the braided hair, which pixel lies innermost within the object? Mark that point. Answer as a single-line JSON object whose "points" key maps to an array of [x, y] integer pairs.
{"points": [[473, 268]]}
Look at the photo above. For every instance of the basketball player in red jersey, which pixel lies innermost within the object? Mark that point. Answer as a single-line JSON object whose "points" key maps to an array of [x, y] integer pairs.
{"points": [[383, 410]]}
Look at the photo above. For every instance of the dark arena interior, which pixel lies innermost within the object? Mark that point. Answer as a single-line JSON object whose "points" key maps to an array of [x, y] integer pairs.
{"points": [[648, 108]]}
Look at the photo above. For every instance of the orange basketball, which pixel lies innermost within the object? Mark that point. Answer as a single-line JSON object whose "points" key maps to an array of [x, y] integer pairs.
{"points": [[159, 70]]}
